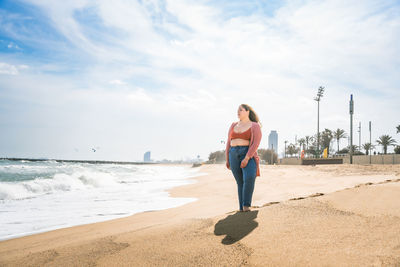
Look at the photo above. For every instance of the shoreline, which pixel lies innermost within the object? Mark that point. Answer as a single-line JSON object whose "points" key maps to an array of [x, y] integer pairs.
{"points": [[97, 161], [216, 203], [189, 179]]}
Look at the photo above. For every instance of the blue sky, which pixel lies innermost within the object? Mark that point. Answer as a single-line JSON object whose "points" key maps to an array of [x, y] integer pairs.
{"points": [[168, 76]]}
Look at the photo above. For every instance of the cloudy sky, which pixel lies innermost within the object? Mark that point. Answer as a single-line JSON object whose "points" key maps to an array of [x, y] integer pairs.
{"points": [[168, 76]]}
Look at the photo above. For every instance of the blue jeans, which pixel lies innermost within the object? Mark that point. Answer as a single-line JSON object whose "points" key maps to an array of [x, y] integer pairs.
{"points": [[245, 177]]}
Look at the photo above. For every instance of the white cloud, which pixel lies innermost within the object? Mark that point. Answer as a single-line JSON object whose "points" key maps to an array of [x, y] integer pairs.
{"points": [[140, 97], [8, 69], [12, 45], [189, 61], [117, 82]]}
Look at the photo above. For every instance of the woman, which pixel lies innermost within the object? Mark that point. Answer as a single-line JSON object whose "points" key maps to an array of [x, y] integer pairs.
{"points": [[244, 137]]}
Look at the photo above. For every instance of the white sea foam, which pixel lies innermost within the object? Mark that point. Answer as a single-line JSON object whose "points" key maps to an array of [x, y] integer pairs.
{"points": [[59, 182]]}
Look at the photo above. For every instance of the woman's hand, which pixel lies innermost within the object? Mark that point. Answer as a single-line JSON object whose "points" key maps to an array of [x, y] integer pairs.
{"points": [[227, 165], [244, 162]]}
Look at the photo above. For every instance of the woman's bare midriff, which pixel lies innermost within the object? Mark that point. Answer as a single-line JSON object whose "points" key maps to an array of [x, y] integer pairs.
{"points": [[239, 142]]}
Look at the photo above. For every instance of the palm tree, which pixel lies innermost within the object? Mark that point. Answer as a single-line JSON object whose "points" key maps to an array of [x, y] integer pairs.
{"points": [[313, 148], [367, 147], [327, 137], [355, 149], [339, 134], [398, 128], [385, 141], [285, 147], [302, 142], [292, 149], [308, 139]]}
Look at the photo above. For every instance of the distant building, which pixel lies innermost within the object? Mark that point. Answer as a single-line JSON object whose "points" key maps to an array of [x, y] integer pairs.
{"points": [[146, 157], [273, 141]]}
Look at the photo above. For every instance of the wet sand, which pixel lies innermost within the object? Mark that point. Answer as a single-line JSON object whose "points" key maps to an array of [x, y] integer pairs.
{"points": [[303, 215]]}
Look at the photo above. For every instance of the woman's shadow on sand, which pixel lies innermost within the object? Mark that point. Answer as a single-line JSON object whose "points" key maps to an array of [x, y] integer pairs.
{"points": [[236, 226]]}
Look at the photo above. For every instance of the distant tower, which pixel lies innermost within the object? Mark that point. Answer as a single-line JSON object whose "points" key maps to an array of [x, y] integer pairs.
{"points": [[146, 157], [273, 141]]}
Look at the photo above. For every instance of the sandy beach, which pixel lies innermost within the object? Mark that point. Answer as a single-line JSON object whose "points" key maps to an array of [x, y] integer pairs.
{"points": [[333, 215]]}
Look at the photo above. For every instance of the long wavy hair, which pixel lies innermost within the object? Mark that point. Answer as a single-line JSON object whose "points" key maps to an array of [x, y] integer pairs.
{"points": [[252, 114]]}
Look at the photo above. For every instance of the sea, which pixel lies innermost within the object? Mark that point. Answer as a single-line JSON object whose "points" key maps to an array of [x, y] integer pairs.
{"points": [[39, 196]]}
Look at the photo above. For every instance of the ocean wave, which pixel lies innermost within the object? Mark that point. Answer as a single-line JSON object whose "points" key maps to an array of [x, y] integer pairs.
{"points": [[58, 183], [66, 194]]}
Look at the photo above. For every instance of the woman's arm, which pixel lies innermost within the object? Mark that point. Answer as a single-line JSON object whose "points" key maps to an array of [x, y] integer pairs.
{"points": [[256, 141]]}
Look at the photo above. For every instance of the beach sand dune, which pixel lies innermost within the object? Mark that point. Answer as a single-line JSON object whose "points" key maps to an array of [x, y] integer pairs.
{"points": [[306, 216]]}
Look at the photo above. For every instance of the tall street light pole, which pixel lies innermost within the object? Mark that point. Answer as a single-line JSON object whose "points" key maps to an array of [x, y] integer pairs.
{"points": [[318, 98], [370, 142], [359, 137], [351, 128]]}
